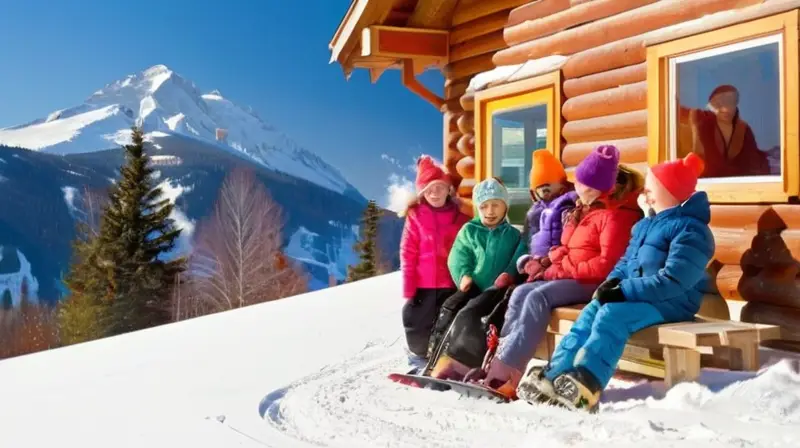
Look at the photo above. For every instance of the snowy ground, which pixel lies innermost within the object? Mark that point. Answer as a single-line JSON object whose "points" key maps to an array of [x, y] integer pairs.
{"points": [[309, 371]]}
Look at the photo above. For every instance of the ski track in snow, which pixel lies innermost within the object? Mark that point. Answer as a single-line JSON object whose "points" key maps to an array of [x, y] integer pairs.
{"points": [[353, 404]]}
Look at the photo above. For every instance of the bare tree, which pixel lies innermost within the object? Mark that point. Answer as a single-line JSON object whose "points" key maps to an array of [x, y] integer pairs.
{"points": [[238, 258], [90, 212]]}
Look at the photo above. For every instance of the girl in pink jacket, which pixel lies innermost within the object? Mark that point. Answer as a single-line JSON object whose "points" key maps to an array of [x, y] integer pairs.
{"points": [[433, 220]]}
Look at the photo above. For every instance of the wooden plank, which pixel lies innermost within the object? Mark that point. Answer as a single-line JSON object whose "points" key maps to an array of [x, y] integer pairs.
{"points": [[404, 43], [478, 27], [433, 14], [475, 9], [488, 43], [713, 334], [681, 365], [469, 67]]}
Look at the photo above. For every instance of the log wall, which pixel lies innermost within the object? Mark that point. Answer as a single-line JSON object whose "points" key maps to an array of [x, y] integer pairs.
{"points": [[606, 102], [475, 36]]}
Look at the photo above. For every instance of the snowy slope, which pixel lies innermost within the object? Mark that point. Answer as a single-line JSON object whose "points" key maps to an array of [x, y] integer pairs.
{"points": [[310, 371], [164, 102]]}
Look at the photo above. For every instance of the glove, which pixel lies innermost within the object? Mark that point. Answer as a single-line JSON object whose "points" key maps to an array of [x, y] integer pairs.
{"points": [[503, 280], [545, 262], [609, 294], [609, 284]]}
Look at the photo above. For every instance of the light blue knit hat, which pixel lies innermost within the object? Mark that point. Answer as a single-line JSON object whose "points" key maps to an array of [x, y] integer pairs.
{"points": [[489, 189]]}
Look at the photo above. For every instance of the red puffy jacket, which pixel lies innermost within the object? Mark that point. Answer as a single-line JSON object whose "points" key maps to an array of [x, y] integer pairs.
{"points": [[590, 249], [427, 238]]}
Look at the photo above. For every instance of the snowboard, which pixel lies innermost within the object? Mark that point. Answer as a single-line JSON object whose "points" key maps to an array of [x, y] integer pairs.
{"points": [[471, 390]]}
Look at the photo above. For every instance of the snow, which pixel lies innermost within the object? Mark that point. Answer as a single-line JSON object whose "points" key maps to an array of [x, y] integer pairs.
{"points": [[12, 281], [172, 190], [510, 73], [310, 371], [164, 103], [70, 194], [304, 246]]}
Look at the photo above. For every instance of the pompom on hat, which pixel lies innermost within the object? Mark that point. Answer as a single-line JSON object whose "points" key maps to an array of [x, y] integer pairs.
{"points": [[428, 173], [599, 169], [679, 177]]}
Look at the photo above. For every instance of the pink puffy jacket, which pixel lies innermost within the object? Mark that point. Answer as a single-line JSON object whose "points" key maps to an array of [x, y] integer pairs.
{"points": [[428, 235]]}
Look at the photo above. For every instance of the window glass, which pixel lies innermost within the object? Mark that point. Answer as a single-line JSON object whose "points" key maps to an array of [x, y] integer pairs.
{"points": [[727, 109], [515, 135]]}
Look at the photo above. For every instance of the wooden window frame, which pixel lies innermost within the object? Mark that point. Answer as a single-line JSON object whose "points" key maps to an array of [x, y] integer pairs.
{"points": [[658, 101], [518, 94]]}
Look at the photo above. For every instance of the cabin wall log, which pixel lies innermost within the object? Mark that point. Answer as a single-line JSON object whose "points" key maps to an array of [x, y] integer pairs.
{"points": [[535, 10], [610, 127], [605, 80], [634, 22], [616, 100], [632, 150], [562, 20], [605, 90]]}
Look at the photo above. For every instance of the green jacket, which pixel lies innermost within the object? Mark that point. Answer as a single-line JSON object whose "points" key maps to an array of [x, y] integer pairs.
{"points": [[484, 253]]}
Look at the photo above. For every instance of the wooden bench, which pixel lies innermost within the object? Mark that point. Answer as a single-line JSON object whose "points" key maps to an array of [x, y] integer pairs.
{"points": [[676, 352]]}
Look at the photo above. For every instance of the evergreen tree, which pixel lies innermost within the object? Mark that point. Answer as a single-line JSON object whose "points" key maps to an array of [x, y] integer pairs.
{"points": [[119, 281], [366, 247]]}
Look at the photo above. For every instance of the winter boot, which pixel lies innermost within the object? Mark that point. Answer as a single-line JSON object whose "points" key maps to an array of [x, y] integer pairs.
{"points": [[535, 387], [502, 378], [577, 390], [447, 368]]}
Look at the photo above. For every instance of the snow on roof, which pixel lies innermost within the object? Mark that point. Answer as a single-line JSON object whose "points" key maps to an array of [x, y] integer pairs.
{"points": [[509, 73], [311, 371]]}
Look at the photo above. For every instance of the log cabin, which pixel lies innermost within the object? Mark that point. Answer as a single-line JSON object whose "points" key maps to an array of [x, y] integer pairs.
{"points": [[645, 75]]}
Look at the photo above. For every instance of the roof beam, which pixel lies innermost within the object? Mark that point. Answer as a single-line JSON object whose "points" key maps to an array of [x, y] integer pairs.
{"points": [[405, 43]]}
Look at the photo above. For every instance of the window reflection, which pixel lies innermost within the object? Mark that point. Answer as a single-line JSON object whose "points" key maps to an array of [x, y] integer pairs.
{"points": [[515, 135], [728, 108]]}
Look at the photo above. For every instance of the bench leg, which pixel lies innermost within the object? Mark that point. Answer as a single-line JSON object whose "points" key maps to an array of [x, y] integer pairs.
{"points": [[680, 364], [744, 355]]}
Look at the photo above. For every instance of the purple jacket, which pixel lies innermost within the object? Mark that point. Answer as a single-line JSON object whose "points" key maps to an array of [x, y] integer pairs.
{"points": [[544, 223]]}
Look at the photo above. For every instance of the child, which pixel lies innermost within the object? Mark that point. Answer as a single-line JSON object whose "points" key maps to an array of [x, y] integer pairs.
{"points": [[552, 196], [432, 222], [483, 256], [593, 240], [658, 280]]}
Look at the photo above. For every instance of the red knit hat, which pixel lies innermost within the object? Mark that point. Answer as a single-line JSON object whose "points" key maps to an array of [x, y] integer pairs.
{"points": [[428, 171], [679, 177]]}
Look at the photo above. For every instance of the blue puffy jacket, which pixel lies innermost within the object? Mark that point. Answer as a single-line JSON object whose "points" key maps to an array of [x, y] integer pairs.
{"points": [[665, 262]]}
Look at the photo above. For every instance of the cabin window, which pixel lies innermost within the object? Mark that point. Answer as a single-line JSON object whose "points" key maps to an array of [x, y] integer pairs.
{"points": [[512, 121], [722, 95]]}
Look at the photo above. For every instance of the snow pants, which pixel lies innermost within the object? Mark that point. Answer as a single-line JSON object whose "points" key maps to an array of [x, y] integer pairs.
{"points": [[466, 340], [452, 305], [419, 315], [528, 316], [597, 339]]}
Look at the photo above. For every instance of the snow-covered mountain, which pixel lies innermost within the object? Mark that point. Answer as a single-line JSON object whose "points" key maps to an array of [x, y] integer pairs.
{"points": [[162, 101]]}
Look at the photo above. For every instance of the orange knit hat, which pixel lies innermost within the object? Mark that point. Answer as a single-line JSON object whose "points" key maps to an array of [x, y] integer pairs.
{"points": [[546, 169]]}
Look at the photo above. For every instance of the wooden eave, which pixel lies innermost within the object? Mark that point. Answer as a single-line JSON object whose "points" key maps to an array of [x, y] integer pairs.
{"points": [[409, 35]]}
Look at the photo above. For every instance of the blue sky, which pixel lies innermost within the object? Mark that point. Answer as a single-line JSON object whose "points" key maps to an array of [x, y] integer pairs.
{"points": [[269, 54]]}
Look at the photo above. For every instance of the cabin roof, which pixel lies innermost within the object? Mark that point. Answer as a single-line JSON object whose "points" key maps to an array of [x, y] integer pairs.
{"points": [[351, 36]]}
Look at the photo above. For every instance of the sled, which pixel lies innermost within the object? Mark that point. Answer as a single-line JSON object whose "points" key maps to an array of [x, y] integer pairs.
{"points": [[471, 390]]}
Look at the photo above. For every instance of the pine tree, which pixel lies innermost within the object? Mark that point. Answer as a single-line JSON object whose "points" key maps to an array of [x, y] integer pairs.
{"points": [[366, 247], [119, 281]]}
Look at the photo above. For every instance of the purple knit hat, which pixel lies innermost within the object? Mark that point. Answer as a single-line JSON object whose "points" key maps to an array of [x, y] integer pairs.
{"points": [[599, 169]]}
